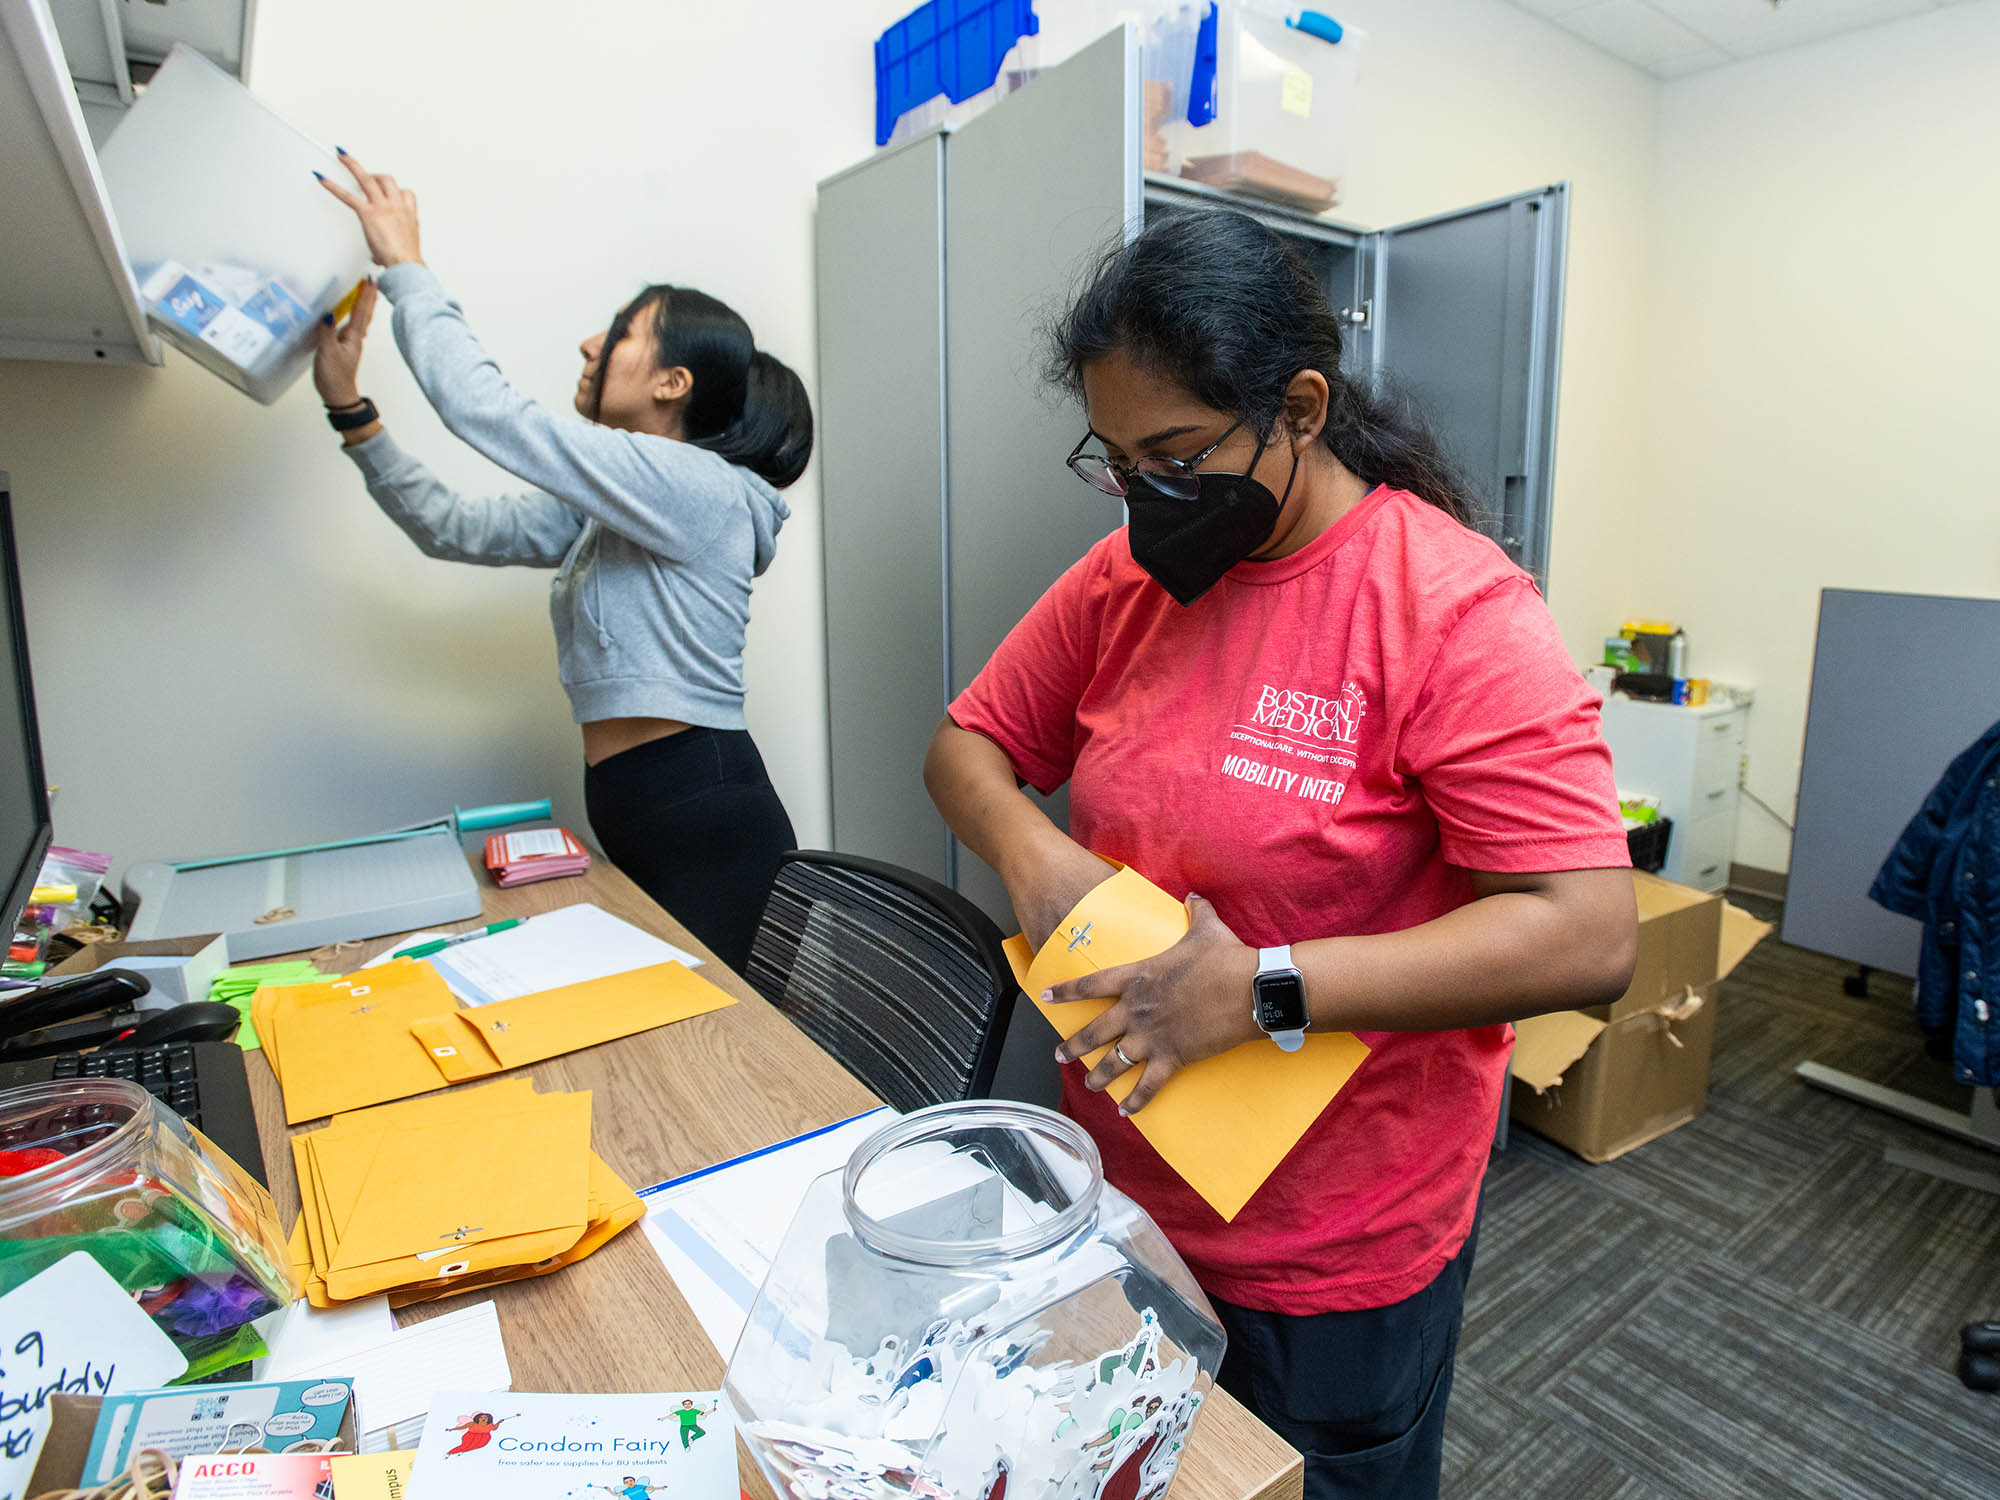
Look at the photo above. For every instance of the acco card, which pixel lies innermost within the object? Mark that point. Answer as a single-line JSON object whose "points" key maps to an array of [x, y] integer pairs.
{"points": [[255, 1476], [680, 1445]]}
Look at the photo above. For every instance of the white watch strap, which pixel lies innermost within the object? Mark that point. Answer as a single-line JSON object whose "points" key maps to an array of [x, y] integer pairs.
{"points": [[1269, 959]]}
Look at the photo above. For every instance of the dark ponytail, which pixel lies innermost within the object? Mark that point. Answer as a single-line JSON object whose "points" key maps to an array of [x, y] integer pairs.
{"points": [[1219, 304], [745, 405]]}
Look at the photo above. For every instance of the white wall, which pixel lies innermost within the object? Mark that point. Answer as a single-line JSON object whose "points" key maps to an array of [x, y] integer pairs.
{"points": [[236, 649], [1466, 100], [1823, 358]]}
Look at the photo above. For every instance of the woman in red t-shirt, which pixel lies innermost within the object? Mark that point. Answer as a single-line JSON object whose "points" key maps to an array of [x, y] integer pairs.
{"points": [[1301, 685]]}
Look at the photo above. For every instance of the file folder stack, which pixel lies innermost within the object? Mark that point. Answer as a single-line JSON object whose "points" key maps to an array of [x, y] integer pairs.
{"points": [[432, 1197], [395, 1031]]}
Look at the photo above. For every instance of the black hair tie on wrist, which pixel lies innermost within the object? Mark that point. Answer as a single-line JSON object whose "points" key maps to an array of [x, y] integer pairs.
{"points": [[349, 418]]}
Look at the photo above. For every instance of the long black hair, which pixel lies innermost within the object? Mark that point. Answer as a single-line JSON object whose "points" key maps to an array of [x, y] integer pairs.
{"points": [[1219, 304], [746, 405]]}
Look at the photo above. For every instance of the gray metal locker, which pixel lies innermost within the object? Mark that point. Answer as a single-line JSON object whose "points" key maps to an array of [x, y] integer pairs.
{"points": [[939, 441]]}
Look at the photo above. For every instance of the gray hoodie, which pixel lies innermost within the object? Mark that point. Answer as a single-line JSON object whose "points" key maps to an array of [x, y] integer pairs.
{"points": [[654, 541]]}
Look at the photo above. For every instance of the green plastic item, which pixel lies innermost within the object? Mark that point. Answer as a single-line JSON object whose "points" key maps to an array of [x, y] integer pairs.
{"points": [[238, 986]]}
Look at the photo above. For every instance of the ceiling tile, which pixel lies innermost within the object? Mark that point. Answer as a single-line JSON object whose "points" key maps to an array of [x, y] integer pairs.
{"points": [[1633, 30], [1554, 7], [1757, 26], [1689, 62], [1804, 21]]}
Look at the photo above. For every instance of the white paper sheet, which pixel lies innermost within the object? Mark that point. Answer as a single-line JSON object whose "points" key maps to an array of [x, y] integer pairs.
{"points": [[567, 946], [394, 1380], [303, 1340], [717, 1231], [69, 1329]]}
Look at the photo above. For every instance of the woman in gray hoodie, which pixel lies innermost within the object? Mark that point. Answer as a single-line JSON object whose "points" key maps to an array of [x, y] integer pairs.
{"points": [[657, 512]]}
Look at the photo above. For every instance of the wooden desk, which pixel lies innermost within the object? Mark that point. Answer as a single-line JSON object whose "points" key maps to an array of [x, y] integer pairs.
{"points": [[664, 1103]]}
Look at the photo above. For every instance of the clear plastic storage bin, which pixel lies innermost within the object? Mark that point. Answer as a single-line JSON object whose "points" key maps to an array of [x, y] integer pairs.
{"points": [[1168, 30], [969, 1311], [97, 1165], [237, 251], [1278, 122]]}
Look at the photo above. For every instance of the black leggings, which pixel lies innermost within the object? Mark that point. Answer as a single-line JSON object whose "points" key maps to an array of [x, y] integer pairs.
{"points": [[693, 819]]}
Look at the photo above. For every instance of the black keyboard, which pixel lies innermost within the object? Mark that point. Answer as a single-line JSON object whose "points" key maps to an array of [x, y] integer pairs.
{"points": [[202, 1082]]}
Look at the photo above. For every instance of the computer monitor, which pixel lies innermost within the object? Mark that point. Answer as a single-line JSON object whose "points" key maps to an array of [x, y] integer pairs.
{"points": [[24, 792]]}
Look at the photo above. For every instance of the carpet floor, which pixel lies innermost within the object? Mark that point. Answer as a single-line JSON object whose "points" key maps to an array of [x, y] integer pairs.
{"points": [[1756, 1304]]}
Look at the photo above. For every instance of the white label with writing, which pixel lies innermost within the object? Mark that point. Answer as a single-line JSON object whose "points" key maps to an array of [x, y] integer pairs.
{"points": [[534, 842], [69, 1330]]}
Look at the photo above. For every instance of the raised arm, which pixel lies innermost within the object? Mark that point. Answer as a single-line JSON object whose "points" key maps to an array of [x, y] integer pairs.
{"points": [[534, 529], [669, 497]]}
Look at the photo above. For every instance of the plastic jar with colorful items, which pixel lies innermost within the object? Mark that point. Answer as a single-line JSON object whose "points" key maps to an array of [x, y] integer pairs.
{"points": [[970, 1311], [97, 1165]]}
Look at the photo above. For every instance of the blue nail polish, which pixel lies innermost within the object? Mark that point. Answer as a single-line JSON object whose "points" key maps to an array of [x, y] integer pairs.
{"points": [[320, 175], [327, 319], [340, 151]]}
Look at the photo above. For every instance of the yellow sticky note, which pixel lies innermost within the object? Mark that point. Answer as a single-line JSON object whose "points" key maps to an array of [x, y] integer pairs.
{"points": [[371, 1476], [1295, 92], [1223, 1123]]}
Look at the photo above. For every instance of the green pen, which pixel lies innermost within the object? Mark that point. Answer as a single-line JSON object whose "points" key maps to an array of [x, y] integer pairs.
{"points": [[438, 945], [13, 969]]}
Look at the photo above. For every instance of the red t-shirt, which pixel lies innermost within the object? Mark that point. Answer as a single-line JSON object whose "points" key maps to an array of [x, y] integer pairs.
{"points": [[1322, 745]]}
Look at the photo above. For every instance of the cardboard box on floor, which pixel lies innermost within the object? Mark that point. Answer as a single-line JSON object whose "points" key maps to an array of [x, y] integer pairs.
{"points": [[1604, 1080]]}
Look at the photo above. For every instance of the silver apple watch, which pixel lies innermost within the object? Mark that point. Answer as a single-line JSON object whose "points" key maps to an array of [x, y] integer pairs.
{"points": [[1278, 998]]}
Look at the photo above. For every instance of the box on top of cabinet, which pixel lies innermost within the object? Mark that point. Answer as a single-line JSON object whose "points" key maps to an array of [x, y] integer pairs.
{"points": [[1608, 1078]]}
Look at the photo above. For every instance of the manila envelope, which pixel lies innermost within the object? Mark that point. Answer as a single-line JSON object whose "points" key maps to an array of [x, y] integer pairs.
{"points": [[614, 1208], [1225, 1122], [483, 1039], [454, 1198], [306, 1245], [344, 1044]]}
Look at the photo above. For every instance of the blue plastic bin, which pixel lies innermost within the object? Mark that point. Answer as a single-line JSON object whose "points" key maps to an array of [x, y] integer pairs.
{"points": [[948, 47]]}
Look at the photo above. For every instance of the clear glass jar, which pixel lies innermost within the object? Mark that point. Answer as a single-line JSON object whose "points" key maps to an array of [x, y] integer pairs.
{"points": [[101, 1167], [969, 1310]]}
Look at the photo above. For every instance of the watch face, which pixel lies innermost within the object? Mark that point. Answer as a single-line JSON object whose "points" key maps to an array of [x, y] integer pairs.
{"points": [[1281, 1001]]}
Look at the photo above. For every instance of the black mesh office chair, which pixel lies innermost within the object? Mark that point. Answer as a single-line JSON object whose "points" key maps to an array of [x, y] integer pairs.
{"points": [[900, 979]]}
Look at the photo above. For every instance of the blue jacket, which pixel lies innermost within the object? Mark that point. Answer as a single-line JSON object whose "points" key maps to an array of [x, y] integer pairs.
{"points": [[1945, 872]]}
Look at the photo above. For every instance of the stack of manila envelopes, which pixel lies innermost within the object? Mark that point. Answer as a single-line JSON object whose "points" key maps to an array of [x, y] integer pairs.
{"points": [[1225, 1122], [432, 1197], [395, 1030]]}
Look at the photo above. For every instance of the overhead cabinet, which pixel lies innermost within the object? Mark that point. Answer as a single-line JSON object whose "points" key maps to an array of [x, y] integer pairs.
{"points": [[947, 507], [67, 73]]}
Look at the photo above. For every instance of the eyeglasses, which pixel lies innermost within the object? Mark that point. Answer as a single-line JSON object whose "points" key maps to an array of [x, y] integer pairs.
{"points": [[1175, 477]]}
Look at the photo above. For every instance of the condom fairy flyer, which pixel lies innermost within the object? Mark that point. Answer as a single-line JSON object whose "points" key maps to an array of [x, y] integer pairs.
{"points": [[677, 1445]]}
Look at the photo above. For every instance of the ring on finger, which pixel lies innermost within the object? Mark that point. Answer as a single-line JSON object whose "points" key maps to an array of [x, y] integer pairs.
{"points": [[1118, 1051]]}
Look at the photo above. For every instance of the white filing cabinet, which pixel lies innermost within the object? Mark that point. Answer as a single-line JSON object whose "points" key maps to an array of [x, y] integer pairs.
{"points": [[1689, 759]]}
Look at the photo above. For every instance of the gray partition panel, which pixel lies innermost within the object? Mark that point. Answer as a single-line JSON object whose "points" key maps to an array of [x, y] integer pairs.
{"points": [[1901, 683], [880, 267]]}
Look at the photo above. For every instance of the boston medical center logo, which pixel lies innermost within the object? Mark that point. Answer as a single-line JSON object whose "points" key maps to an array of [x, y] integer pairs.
{"points": [[1300, 743]]}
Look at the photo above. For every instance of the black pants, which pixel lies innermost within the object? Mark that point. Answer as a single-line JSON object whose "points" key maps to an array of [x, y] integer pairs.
{"points": [[1361, 1394], [694, 821]]}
